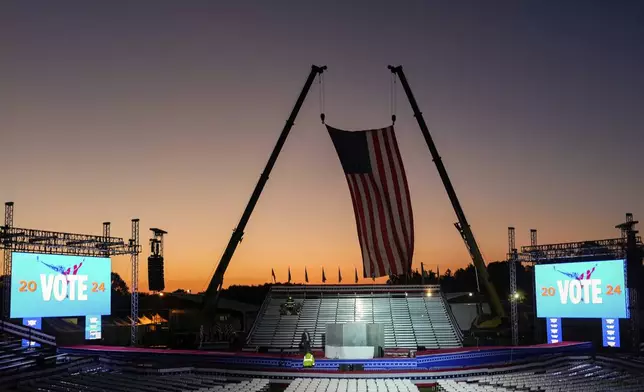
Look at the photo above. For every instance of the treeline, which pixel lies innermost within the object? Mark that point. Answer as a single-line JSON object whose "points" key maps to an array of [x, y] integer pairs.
{"points": [[462, 280], [465, 279]]}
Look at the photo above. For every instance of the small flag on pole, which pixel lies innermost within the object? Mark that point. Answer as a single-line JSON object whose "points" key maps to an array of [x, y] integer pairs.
{"points": [[289, 274], [356, 274], [323, 276], [339, 276], [422, 273], [273, 274], [306, 275]]}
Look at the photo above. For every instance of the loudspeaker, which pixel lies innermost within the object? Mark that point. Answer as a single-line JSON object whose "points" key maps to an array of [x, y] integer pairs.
{"points": [[156, 278]]}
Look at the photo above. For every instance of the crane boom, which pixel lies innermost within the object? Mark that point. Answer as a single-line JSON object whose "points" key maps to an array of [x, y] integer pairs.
{"points": [[468, 236], [216, 283]]}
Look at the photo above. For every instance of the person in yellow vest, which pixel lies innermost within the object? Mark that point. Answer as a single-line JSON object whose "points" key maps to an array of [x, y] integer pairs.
{"points": [[309, 361]]}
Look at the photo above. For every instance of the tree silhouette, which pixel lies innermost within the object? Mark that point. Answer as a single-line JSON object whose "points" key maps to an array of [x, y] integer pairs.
{"points": [[119, 287], [249, 294], [465, 279]]}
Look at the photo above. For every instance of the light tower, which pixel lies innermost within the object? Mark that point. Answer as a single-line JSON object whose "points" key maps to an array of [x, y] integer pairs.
{"points": [[514, 294], [633, 278], [7, 241]]}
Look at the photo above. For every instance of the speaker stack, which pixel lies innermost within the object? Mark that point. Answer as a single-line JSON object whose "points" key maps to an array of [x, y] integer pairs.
{"points": [[156, 278]]}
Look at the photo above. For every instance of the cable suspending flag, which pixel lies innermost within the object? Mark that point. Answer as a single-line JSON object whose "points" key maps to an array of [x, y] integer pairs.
{"points": [[379, 191]]}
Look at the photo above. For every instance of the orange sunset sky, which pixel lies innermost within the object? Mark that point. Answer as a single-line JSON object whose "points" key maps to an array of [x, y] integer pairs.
{"points": [[167, 112]]}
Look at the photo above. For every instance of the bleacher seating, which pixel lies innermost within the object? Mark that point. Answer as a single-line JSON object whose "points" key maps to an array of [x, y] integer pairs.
{"points": [[350, 385], [410, 316], [98, 379], [579, 376], [14, 357]]}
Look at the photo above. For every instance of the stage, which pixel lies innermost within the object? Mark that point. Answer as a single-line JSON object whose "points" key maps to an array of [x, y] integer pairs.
{"points": [[468, 357]]}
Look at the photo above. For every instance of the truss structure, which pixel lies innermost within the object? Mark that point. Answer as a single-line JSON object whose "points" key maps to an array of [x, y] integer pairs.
{"points": [[23, 240], [134, 290], [16, 239], [513, 259], [610, 248]]}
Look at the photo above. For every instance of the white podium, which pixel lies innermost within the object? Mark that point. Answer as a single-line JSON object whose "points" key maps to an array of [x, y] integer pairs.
{"points": [[354, 341]]}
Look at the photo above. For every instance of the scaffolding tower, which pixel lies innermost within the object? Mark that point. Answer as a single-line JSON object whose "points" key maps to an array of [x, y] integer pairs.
{"points": [[513, 259]]}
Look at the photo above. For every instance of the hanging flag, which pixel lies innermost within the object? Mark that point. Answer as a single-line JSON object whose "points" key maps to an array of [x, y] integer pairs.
{"points": [[289, 274], [374, 170], [273, 273], [339, 276], [306, 275], [438, 273], [422, 273], [323, 276], [356, 275]]}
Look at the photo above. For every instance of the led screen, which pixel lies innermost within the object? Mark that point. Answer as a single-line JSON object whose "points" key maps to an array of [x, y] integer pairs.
{"points": [[554, 330], [592, 289], [45, 285], [35, 323], [610, 332], [92, 327]]}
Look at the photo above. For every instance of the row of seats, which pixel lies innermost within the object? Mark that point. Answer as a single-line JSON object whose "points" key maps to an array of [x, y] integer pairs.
{"points": [[14, 357], [584, 376], [97, 378], [255, 385], [350, 385], [409, 321]]}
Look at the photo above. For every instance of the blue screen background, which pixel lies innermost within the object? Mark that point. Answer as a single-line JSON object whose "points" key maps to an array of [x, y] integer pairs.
{"points": [[610, 272], [29, 267]]}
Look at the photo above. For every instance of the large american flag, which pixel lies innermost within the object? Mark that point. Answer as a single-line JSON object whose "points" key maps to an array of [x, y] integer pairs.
{"points": [[381, 202]]}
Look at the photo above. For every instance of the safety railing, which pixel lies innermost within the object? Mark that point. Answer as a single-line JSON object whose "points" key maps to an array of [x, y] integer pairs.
{"points": [[28, 333]]}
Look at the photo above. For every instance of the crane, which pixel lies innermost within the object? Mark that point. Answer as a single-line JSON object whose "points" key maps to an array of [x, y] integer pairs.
{"points": [[216, 283], [462, 225]]}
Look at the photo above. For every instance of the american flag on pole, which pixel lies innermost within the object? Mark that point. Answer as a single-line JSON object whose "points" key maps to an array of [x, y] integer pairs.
{"points": [[374, 170]]}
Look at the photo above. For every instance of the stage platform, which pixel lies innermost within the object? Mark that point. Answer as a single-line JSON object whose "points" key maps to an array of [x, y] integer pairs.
{"points": [[467, 357]]}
